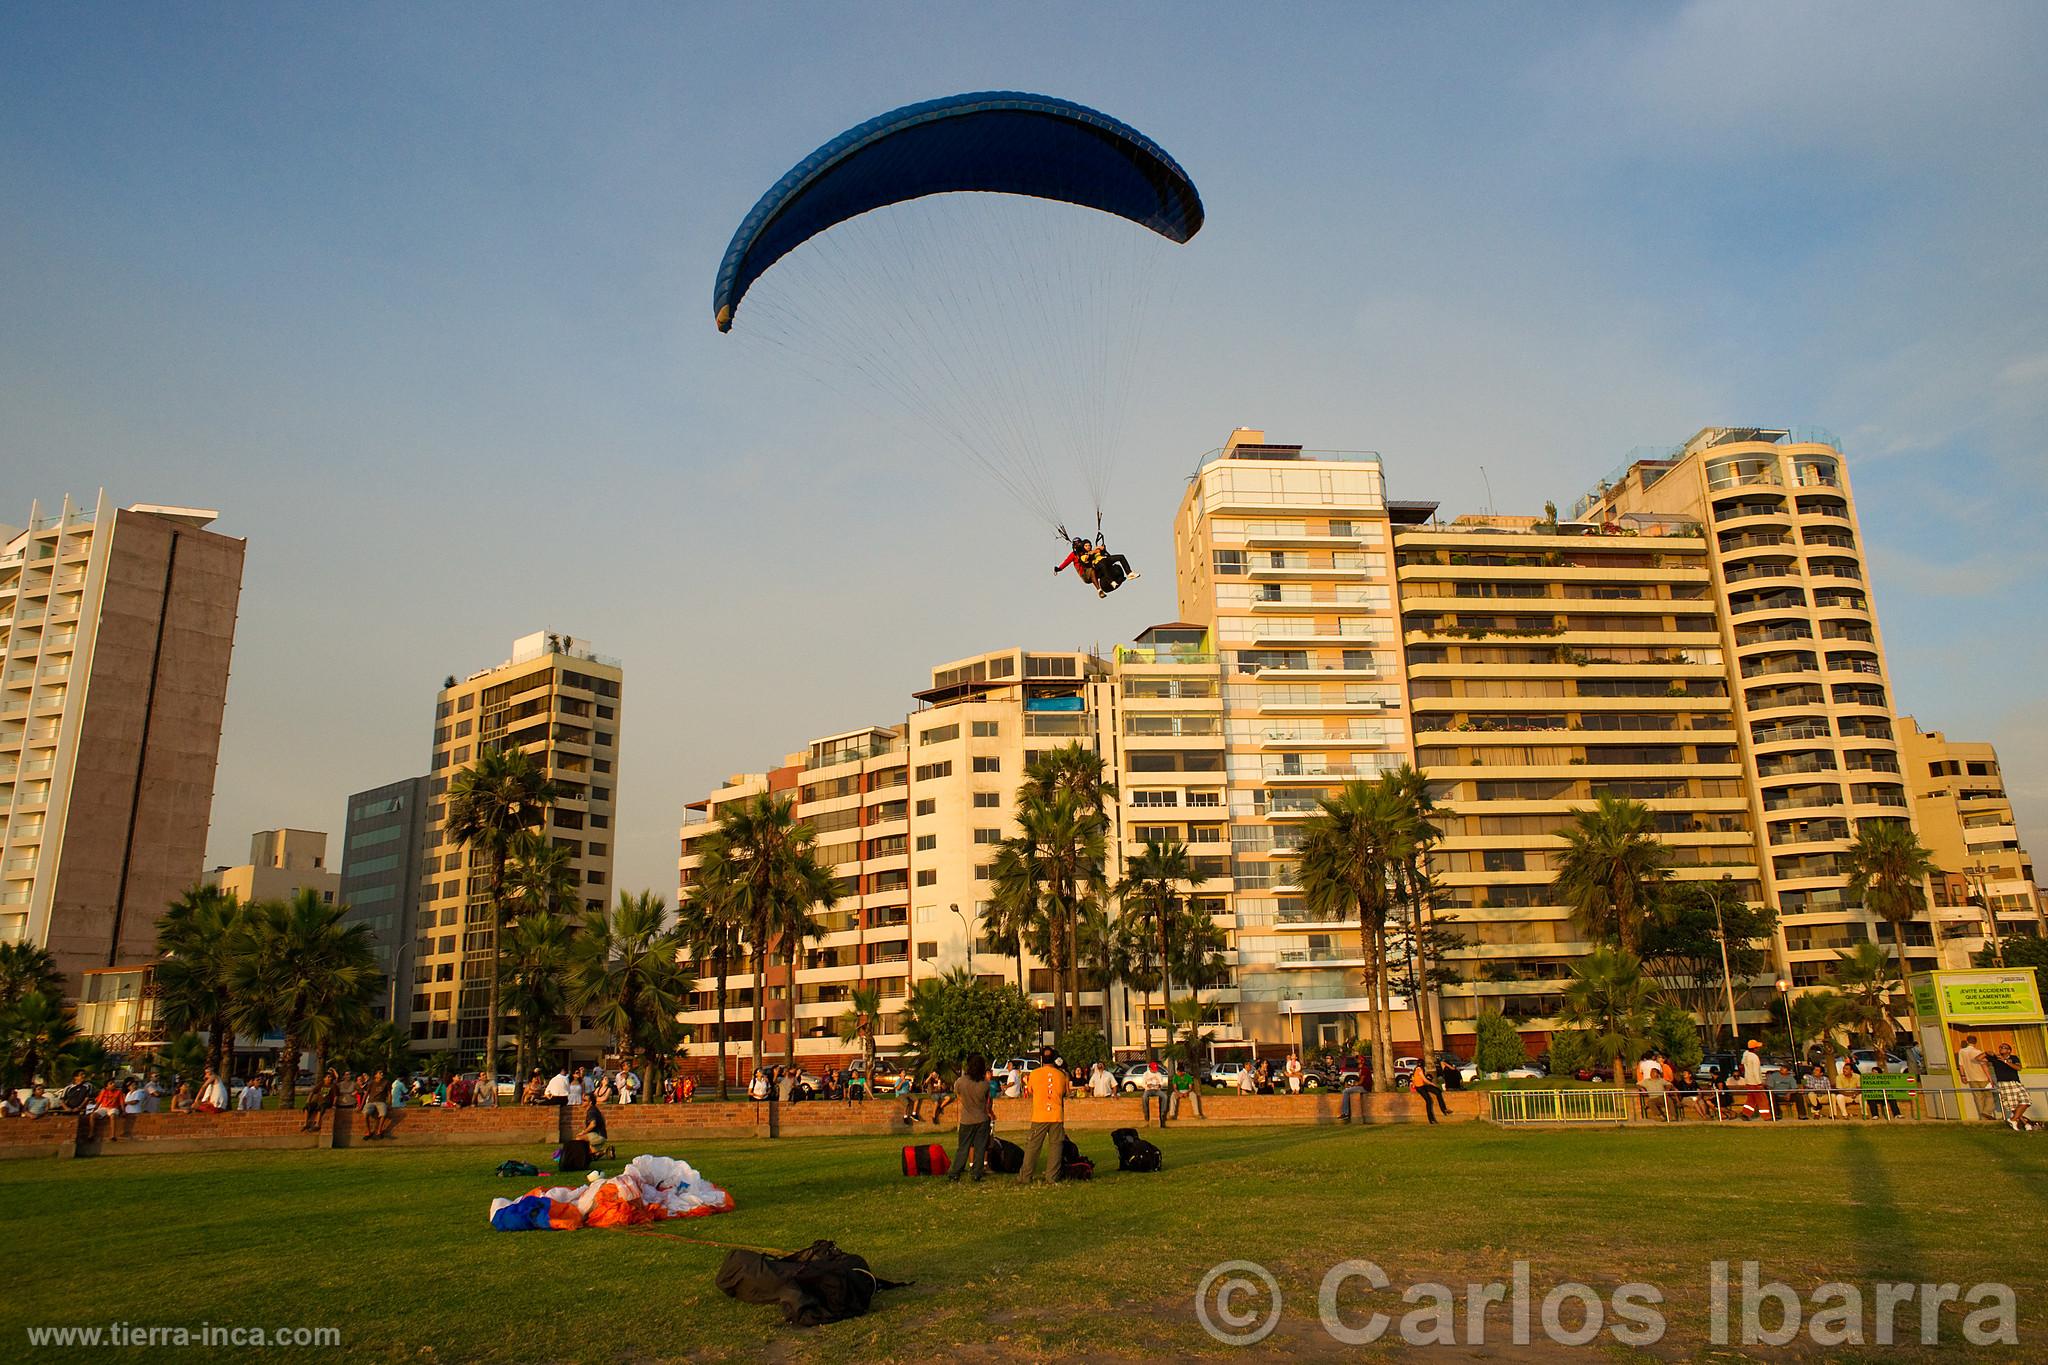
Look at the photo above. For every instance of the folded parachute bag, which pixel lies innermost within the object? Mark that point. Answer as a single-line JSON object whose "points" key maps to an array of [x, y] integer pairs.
{"points": [[1004, 1157], [925, 1158], [528, 1213], [819, 1284], [520, 1168], [1074, 1166], [1133, 1153]]}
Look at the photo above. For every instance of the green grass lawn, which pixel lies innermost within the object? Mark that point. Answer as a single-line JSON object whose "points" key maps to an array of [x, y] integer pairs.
{"points": [[391, 1245]]}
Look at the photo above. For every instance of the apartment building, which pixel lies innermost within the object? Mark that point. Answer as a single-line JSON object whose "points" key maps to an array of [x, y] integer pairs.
{"points": [[1813, 705], [282, 863], [1283, 555], [116, 627], [1987, 891], [383, 847], [558, 701], [1550, 665], [909, 816]]}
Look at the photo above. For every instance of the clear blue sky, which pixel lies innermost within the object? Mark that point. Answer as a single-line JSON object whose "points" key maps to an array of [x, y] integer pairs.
{"points": [[417, 296]]}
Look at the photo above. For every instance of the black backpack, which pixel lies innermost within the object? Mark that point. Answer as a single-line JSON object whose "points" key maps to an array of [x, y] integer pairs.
{"points": [[1133, 1153], [1004, 1157], [819, 1284], [1074, 1166]]}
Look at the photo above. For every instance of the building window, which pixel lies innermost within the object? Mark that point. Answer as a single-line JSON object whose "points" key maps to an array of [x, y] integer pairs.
{"points": [[927, 951], [927, 842], [986, 729], [928, 772], [987, 800], [1229, 563], [927, 876], [981, 873], [988, 836], [928, 806], [938, 734], [605, 712], [987, 763]]}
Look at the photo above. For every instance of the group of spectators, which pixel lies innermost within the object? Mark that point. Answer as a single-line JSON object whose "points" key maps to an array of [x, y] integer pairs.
{"points": [[572, 1086], [109, 1104]]}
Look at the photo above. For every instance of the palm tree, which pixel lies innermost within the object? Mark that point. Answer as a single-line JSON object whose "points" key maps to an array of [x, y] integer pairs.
{"points": [[1865, 977], [1014, 900], [1151, 896], [1888, 871], [1104, 952], [764, 865], [1139, 969], [540, 875], [711, 936], [1067, 844], [1417, 889], [627, 971], [1821, 1016], [501, 795], [197, 937], [861, 1021], [34, 1032], [27, 970], [299, 969], [1611, 869], [1348, 851], [535, 967], [1612, 998]]}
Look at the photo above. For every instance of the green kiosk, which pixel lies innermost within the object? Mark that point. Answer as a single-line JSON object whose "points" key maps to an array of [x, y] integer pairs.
{"points": [[1998, 1005]]}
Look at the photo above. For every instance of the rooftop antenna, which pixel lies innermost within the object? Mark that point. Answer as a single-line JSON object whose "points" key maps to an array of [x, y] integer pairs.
{"points": [[1489, 490]]}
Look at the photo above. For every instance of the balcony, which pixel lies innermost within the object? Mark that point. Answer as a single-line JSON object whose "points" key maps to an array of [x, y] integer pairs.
{"points": [[1325, 773], [1311, 738], [1784, 601], [1738, 511], [1750, 571], [1796, 630], [1789, 730], [1054, 724]]}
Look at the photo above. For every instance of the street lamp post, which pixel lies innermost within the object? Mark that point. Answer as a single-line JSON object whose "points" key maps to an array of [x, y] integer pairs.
{"points": [[1785, 995], [966, 927]]}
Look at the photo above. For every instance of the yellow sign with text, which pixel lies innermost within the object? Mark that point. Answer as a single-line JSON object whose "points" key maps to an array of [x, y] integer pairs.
{"points": [[1990, 995]]}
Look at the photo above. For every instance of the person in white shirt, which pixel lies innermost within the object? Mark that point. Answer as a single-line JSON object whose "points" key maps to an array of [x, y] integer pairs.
{"points": [[1293, 1074], [558, 1088], [1976, 1069], [757, 1088], [1101, 1083], [578, 1086], [152, 1094], [1750, 1074], [486, 1092], [252, 1096], [131, 1102], [1647, 1069], [1153, 1083], [629, 1087], [1247, 1081]]}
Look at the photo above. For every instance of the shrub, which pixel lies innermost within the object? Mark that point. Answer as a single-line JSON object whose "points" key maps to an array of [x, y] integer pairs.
{"points": [[1499, 1046]]}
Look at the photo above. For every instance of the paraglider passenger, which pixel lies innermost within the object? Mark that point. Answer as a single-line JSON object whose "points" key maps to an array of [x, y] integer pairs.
{"points": [[1082, 558]]}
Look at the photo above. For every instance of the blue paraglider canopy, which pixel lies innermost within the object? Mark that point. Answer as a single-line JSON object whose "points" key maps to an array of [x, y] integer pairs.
{"points": [[1000, 141]]}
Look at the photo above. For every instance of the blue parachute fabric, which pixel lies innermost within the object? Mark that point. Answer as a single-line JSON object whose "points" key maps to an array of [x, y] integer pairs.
{"points": [[999, 141], [528, 1213]]}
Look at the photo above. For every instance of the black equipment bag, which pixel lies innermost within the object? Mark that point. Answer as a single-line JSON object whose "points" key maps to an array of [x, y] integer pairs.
{"points": [[819, 1284], [1074, 1166], [1133, 1153], [575, 1155], [926, 1158], [1004, 1157]]}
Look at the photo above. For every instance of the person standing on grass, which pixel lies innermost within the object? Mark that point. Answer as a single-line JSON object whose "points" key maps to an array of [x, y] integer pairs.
{"points": [[2012, 1088], [1047, 1085], [1975, 1065], [1429, 1092], [977, 1117]]}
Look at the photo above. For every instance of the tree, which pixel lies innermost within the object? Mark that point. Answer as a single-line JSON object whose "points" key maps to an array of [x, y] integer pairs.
{"points": [[500, 796], [762, 865], [1419, 944], [1681, 945], [382, 1048], [297, 968], [1348, 851], [35, 1032], [1060, 810], [1151, 895], [187, 1055], [197, 937], [626, 971], [861, 1022], [1822, 1016], [1677, 1034], [1418, 959], [534, 967], [1888, 871], [948, 1017], [1611, 869], [1015, 905], [2017, 952], [711, 935], [1497, 1045], [1613, 1003], [1865, 977], [1084, 1046], [540, 875], [27, 970], [1104, 944]]}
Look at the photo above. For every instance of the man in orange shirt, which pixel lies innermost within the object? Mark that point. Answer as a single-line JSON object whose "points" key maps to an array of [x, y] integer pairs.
{"points": [[1046, 1087]]}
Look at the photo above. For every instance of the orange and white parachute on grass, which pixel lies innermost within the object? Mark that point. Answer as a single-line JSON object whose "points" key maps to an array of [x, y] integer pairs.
{"points": [[652, 1189]]}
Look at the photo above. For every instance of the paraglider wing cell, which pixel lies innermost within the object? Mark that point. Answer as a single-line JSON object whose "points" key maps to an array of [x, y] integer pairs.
{"points": [[1000, 142]]}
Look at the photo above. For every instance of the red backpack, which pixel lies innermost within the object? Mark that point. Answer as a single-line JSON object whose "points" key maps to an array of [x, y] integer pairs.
{"points": [[927, 1158]]}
